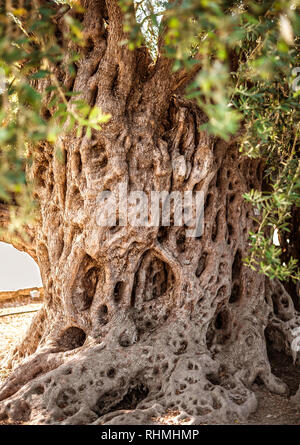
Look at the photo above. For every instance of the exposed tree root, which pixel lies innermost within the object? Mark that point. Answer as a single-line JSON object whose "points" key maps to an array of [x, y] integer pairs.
{"points": [[169, 369]]}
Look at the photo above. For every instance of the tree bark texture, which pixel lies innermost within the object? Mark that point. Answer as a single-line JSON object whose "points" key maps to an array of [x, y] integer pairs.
{"points": [[141, 320]]}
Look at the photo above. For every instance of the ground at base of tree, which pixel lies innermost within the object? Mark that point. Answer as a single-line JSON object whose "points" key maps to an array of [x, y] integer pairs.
{"points": [[272, 409], [13, 327]]}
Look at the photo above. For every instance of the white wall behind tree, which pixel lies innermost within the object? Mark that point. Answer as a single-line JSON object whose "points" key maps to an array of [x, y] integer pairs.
{"points": [[17, 269]]}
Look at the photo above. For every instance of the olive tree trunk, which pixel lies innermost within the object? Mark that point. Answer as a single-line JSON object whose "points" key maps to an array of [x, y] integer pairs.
{"points": [[141, 320]]}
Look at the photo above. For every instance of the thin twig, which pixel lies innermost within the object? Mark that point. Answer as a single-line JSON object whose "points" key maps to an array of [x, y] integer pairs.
{"points": [[18, 313]]}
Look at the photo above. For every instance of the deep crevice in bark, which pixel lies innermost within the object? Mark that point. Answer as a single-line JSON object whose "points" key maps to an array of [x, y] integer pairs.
{"points": [[283, 367]]}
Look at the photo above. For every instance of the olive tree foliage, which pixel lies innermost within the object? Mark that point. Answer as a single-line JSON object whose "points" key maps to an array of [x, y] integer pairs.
{"points": [[242, 58]]}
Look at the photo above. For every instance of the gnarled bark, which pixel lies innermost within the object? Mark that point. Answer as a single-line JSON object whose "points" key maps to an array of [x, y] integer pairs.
{"points": [[139, 320], [23, 241]]}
